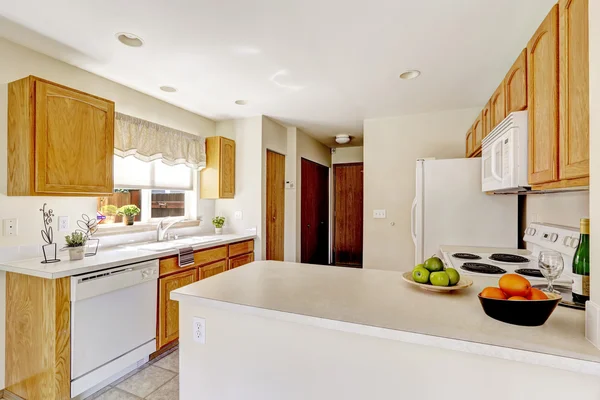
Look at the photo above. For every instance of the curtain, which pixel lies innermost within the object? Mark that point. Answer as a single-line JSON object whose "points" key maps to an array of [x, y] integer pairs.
{"points": [[148, 141]]}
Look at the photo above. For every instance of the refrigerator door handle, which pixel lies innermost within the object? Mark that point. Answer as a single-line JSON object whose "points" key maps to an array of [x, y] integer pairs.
{"points": [[494, 173], [413, 232]]}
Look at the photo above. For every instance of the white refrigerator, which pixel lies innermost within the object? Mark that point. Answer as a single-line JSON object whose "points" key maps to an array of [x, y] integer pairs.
{"points": [[450, 209]]}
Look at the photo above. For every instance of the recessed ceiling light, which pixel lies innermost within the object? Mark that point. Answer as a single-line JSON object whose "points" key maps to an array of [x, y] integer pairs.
{"points": [[168, 89], [411, 74], [129, 39], [241, 102], [342, 139]]}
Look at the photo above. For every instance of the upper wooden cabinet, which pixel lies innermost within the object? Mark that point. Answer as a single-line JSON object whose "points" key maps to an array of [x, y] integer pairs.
{"points": [[498, 106], [218, 178], [542, 98], [486, 119], [469, 143], [574, 131], [515, 85], [60, 140], [478, 132]]}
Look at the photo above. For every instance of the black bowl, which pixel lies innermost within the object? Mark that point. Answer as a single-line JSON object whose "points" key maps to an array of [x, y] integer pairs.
{"points": [[521, 312]]}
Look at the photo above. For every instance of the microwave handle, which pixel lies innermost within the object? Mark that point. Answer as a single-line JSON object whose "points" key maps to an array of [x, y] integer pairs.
{"points": [[494, 173]]}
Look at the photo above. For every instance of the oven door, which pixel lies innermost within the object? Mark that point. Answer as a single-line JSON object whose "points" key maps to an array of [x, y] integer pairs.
{"points": [[491, 166]]}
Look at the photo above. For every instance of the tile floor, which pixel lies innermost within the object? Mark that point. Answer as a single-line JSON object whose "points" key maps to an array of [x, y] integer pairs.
{"points": [[155, 380]]}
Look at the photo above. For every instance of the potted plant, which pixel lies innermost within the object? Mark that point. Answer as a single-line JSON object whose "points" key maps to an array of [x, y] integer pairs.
{"points": [[218, 222], [109, 211], [76, 245], [128, 212]]}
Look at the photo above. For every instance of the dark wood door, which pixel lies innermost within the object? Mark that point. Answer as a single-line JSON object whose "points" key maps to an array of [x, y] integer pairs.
{"points": [[348, 220], [275, 205], [314, 213]]}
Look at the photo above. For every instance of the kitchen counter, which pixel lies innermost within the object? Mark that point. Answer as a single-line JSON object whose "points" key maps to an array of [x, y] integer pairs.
{"points": [[378, 303], [105, 258]]}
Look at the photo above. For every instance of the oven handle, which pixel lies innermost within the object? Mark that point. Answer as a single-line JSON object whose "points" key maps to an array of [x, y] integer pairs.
{"points": [[494, 173]]}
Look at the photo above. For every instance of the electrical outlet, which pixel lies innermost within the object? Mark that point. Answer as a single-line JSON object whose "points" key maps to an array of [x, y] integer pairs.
{"points": [[199, 330], [238, 215], [10, 227], [379, 214], [63, 224]]}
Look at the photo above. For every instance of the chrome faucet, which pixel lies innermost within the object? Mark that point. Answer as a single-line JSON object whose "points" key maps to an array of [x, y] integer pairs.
{"points": [[160, 231]]}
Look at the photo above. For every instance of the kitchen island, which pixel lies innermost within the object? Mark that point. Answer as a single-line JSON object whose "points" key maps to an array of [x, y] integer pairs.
{"points": [[278, 330]]}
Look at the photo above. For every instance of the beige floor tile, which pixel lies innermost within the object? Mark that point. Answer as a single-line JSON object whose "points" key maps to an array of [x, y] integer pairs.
{"points": [[170, 362], [146, 381], [169, 391], [116, 394]]}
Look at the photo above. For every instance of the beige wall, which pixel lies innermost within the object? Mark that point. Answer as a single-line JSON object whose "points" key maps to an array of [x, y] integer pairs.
{"points": [[391, 148], [345, 155], [594, 15], [557, 208]]}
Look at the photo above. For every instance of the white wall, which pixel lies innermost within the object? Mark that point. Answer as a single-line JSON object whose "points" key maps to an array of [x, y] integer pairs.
{"points": [[344, 155], [391, 148], [557, 208], [291, 175]]}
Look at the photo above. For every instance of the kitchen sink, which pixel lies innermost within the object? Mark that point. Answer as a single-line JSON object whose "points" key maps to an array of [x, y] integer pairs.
{"points": [[179, 243]]}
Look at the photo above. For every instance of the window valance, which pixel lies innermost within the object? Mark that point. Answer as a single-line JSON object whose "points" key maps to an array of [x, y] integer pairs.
{"points": [[148, 141]]}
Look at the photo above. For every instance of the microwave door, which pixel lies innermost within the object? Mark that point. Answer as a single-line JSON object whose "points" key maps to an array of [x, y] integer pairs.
{"points": [[508, 160], [497, 164], [489, 178]]}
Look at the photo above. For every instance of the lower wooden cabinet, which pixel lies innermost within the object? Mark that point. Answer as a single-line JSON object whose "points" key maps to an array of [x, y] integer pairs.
{"points": [[238, 261], [168, 310], [213, 269]]}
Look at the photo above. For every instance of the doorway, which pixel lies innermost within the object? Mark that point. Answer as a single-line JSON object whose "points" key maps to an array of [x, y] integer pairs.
{"points": [[348, 214], [275, 205], [314, 215]]}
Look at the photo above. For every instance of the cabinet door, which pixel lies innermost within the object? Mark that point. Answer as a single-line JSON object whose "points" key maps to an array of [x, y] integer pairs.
{"points": [[213, 269], [515, 85], [168, 310], [498, 106], [74, 146], [241, 260], [542, 99], [469, 143], [478, 132], [486, 120], [574, 137], [227, 168]]}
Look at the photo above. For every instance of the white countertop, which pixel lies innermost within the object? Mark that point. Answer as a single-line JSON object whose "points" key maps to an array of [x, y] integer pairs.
{"points": [[105, 258], [379, 303]]}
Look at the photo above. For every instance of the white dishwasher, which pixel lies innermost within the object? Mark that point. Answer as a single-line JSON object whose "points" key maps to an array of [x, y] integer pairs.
{"points": [[113, 322]]}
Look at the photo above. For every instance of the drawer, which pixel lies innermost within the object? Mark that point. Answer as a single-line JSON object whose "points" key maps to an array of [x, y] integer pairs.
{"points": [[241, 260], [213, 269], [208, 256], [170, 265], [235, 249]]}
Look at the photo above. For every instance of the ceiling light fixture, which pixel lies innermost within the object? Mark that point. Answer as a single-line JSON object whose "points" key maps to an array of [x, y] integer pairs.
{"points": [[342, 139], [129, 39], [410, 74], [168, 89], [241, 102]]}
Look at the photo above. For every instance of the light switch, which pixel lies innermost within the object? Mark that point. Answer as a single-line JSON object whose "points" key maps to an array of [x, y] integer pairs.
{"points": [[379, 214], [238, 215]]}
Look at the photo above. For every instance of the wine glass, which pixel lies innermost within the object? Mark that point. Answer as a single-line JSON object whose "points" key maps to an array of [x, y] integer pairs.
{"points": [[551, 266]]}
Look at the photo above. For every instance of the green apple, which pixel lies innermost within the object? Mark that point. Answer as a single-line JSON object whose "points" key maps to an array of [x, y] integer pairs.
{"points": [[434, 264], [439, 278], [420, 274], [453, 275]]}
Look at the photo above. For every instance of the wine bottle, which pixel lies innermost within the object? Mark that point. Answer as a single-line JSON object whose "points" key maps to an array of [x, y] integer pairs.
{"points": [[581, 264]]}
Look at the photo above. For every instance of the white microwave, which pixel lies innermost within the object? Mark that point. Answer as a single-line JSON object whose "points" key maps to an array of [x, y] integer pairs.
{"points": [[504, 156]]}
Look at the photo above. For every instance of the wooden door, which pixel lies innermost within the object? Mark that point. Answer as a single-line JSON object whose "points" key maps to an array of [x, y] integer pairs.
{"points": [[212, 269], [348, 217], [515, 85], [469, 143], [227, 168], [542, 100], [574, 136], [314, 213], [478, 132], [168, 310], [238, 261], [498, 106], [275, 205], [74, 141], [486, 120]]}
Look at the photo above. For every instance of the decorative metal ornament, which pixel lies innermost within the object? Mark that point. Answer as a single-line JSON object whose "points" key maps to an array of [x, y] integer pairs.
{"points": [[88, 227], [49, 249]]}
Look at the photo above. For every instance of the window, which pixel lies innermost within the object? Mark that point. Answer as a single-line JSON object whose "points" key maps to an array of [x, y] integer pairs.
{"points": [[157, 189]]}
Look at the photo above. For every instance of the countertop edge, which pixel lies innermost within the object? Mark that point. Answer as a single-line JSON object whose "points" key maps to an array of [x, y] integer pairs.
{"points": [[489, 350]]}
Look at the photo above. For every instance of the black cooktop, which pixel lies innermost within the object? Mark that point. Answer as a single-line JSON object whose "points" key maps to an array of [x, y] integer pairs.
{"points": [[466, 256], [508, 258], [482, 268], [529, 272]]}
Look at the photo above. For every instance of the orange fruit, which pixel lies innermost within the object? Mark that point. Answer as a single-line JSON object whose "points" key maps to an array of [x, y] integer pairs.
{"points": [[514, 285], [493, 293], [517, 298], [537, 294]]}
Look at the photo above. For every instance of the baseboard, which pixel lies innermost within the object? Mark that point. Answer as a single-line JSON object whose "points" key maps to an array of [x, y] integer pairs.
{"points": [[592, 323]]}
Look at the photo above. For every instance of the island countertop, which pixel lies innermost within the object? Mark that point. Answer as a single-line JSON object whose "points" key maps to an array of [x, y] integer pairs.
{"points": [[379, 303]]}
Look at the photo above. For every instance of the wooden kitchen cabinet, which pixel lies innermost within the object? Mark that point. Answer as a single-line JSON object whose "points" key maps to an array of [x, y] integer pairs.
{"points": [[60, 140], [478, 133], [218, 178], [498, 106], [515, 85], [213, 269], [542, 99], [486, 119], [168, 310], [469, 143], [238, 261]]}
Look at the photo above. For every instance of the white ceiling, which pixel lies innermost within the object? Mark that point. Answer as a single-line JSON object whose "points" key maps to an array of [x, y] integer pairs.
{"points": [[321, 65]]}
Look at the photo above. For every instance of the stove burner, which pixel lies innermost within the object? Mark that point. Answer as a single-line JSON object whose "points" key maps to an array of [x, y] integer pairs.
{"points": [[508, 258], [466, 256], [529, 272], [482, 268]]}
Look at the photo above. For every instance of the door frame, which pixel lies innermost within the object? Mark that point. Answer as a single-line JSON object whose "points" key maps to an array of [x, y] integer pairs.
{"points": [[333, 195]]}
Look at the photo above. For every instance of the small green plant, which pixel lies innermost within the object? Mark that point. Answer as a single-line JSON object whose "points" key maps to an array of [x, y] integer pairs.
{"points": [[130, 210], [109, 210], [76, 239], [218, 222]]}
